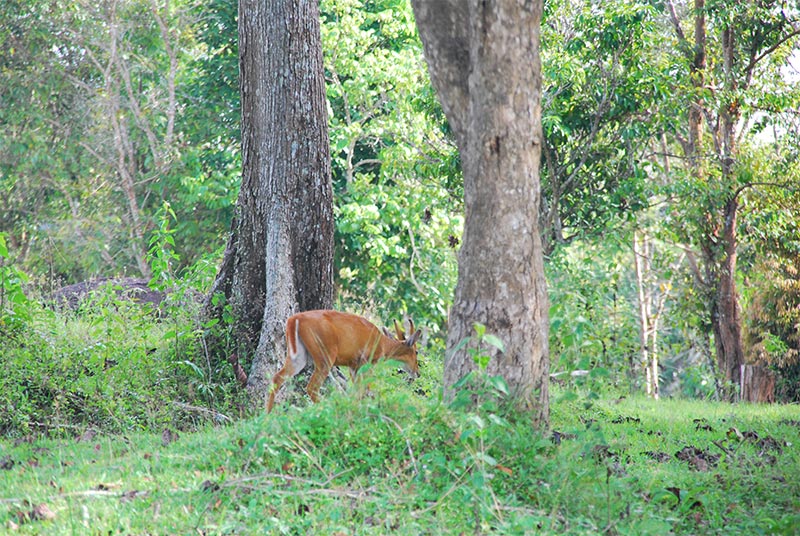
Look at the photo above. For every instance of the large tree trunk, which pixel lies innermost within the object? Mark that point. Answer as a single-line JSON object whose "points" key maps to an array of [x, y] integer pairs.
{"points": [[484, 62], [279, 258]]}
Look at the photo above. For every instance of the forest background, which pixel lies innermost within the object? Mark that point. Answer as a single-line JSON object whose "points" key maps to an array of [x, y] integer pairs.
{"points": [[669, 221], [120, 156]]}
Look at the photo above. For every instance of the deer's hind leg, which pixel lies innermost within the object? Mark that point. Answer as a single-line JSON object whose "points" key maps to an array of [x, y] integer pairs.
{"points": [[296, 360], [323, 358]]}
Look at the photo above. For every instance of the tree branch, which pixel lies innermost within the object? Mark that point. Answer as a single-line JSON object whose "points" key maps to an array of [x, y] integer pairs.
{"points": [[795, 32], [676, 23], [744, 187]]}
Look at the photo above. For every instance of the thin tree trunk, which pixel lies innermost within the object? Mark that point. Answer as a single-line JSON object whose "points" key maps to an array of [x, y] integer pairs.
{"points": [[651, 303], [726, 322], [641, 258], [125, 162], [655, 390], [698, 72]]}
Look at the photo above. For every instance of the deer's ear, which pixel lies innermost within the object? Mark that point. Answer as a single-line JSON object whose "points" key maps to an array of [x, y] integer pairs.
{"points": [[412, 340], [399, 330]]}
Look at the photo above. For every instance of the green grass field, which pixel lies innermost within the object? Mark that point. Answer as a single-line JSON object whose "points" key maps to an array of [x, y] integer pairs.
{"points": [[392, 462]]}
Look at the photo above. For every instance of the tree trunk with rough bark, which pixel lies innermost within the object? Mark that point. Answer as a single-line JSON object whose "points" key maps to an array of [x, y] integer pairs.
{"points": [[279, 257], [758, 384], [483, 59]]}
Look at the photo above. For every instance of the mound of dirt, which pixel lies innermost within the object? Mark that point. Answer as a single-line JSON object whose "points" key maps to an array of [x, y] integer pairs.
{"points": [[127, 288]]}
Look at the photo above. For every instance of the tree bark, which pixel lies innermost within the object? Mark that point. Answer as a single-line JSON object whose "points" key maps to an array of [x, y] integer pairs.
{"points": [[725, 310], [697, 73], [484, 63], [728, 323], [758, 384], [279, 257]]}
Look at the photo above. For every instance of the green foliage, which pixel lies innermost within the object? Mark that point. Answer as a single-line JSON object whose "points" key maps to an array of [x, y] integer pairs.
{"points": [[770, 229], [391, 258], [41, 118], [15, 307], [601, 86], [162, 254], [207, 182], [395, 173], [63, 162], [482, 406], [593, 324], [772, 326], [478, 380]]}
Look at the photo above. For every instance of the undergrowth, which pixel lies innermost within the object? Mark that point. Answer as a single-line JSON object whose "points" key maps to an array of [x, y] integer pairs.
{"points": [[113, 365], [379, 459], [116, 421]]}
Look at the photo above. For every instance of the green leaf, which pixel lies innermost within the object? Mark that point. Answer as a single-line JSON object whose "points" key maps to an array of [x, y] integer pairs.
{"points": [[499, 421], [463, 381], [478, 480], [461, 344], [495, 341], [197, 370], [499, 383], [486, 458], [477, 420]]}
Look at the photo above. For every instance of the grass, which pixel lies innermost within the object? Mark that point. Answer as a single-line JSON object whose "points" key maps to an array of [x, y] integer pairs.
{"points": [[390, 461]]}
